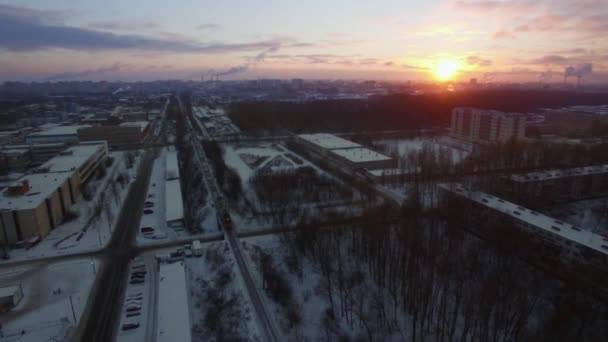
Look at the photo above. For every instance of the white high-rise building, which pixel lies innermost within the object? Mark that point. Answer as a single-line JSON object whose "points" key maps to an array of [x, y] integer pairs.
{"points": [[480, 125]]}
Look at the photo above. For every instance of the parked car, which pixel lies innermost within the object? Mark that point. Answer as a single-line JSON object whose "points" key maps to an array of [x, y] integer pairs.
{"points": [[146, 229], [148, 204], [133, 314], [130, 326], [148, 211], [136, 281]]}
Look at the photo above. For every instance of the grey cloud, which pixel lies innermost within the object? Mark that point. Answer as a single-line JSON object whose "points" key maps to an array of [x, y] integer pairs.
{"points": [[87, 73], [476, 60], [389, 64], [126, 25], [551, 59], [20, 30], [208, 27]]}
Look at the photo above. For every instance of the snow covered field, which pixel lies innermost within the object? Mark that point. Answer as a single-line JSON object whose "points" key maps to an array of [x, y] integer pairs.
{"points": [[219, 309], [54, 297], [93, 226], [251, 160], [302, 304]]}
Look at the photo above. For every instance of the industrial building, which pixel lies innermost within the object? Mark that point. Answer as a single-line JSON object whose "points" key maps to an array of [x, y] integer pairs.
{"points": [[127, 133], [174, 204], [553, 242], [37, 203], [172, 318], [56, 134], [551, 186], [478, 125], [346, 151]]}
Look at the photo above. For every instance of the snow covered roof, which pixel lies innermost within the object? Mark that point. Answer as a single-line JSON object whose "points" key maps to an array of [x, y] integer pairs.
{"points": [[9, 291], [141, 124], [173, 313], [42, 185], [59, 130], [360, 155], [171, 165], [328, 141], [73, 157], [564, 230], [555, 174], [174, 206]]}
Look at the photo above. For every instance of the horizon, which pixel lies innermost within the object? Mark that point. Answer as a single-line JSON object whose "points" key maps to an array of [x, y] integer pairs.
{"points": [[493, 41]]}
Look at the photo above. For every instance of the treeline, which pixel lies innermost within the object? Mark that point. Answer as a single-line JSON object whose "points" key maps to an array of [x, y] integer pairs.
{"points": [[430, 163], [393, 112], [425, 279], [295, 187], [227, 179]]}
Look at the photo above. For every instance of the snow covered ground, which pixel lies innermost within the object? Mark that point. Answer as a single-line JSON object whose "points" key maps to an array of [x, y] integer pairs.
{"points": [[401, 147], [304, 317], [54, 297], [589, 214], [89, 231], [219, 309]]}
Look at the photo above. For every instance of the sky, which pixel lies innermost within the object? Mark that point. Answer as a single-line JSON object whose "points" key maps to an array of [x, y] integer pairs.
{"points": [[493, 41]]}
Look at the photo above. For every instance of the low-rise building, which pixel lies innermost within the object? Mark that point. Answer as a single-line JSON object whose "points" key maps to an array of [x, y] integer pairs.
{"points": [[10, 297], [37, 203], [551, 242], [127, 133], [551, 186], [56, 134], [346, 151]]}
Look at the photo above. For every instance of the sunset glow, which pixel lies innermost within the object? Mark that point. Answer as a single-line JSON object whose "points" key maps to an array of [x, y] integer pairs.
{"points": [[447, 69]]}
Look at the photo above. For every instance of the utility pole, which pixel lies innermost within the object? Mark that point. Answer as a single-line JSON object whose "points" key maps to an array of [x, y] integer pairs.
{"points": [[73, 312]]}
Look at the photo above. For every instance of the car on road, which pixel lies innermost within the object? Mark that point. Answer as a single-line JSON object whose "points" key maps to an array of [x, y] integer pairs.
{"points": [[146, 230], [130, 326]]}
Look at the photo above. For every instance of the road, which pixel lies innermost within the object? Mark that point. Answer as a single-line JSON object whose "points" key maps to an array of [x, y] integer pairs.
{"points": [[99, 319], [267, 325]]}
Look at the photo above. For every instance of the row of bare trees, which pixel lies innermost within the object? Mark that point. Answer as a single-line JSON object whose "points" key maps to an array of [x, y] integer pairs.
{"points": [[425, 279]]}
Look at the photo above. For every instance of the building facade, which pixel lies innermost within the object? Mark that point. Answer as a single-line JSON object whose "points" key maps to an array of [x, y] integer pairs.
{"points": [[38, 202], [479, 125], [562, 247]]}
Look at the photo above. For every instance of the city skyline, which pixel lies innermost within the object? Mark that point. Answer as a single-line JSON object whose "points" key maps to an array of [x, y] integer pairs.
{"points": [[506, 41]]}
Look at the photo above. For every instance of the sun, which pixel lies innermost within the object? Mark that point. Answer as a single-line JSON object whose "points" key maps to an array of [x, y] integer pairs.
{"points": [[446, 69]]}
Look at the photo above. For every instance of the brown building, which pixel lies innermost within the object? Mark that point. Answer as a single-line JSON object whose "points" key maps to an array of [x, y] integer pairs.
{"points": [[37, 203], [128, 133]]}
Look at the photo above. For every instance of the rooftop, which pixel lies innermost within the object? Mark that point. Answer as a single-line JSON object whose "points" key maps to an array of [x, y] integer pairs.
{"points": [[360, 155], [72, 158], [173, 313], [328, 141], [59, 130], [553, 226], [174, 206], [556, 174], [42, 185], [141, 124]]}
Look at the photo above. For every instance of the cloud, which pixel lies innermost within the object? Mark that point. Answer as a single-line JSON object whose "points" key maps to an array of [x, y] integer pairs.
{"points": [[87, 73], [127, 25], [368, 61], [478, 61], [208, 27], [389, 64], [491, 6], [503, 34], [551, 59], [23, 29]]}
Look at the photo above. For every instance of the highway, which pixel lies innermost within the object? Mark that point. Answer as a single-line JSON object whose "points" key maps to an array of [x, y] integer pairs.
{"points": [[267, 325]]}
